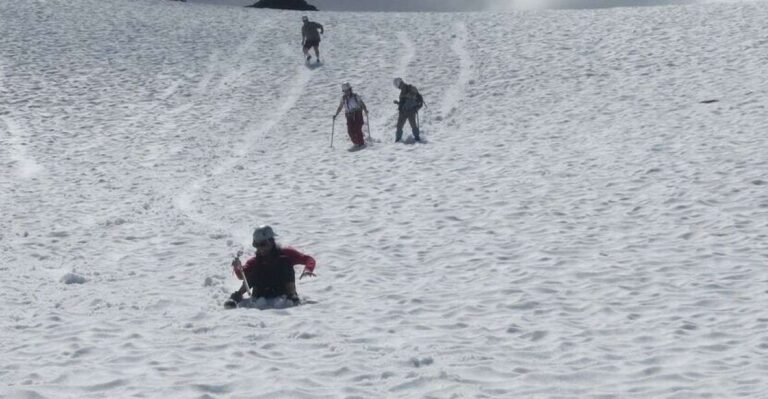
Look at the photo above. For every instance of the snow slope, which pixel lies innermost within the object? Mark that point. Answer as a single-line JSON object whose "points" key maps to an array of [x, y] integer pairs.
{"points": [[588, 219]]}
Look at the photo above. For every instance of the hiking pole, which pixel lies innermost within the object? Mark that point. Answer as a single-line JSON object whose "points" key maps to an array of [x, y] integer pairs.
{"points": [[368, 124], [418, 122], [333, 127]]}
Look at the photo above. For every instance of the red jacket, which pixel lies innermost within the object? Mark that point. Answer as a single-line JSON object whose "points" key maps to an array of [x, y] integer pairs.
{"points": [[296, 258]]}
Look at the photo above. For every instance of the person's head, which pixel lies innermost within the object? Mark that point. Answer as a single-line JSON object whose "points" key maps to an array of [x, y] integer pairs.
{"points": [[305, 19], [346, 88], [398, 83], [264, 239]]}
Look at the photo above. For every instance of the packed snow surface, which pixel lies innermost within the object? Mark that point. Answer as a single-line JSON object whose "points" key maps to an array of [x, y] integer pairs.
{"points": [[588, 217]]}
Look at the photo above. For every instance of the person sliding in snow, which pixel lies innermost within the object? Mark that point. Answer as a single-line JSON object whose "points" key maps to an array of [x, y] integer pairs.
{"points": [[408, 106], [353, 107], [270, 272], [310, 38]]}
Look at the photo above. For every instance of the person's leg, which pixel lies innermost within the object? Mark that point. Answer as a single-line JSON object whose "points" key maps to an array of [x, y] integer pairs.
{"points": [[401, 118], [358, 129], [355, 128], [358, 134], [288, 276], [317, 51], [351, 128], [414, 126]]}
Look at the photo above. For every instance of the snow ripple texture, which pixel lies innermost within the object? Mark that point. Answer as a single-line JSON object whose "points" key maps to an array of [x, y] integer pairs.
{"points": [[589, 217]]}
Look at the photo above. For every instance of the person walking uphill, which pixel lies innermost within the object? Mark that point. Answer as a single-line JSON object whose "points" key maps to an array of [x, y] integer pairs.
{"points": [[269, 274], [353, 107], [408, 106], [310, 37]]}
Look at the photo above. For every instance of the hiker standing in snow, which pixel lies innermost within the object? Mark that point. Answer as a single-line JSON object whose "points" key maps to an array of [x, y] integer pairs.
{"points": [[310, 37], [353, 107], [270, 272], [408, 107]]}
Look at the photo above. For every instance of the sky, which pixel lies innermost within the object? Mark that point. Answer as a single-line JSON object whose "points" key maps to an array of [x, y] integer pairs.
{"points": [[464, 5]]}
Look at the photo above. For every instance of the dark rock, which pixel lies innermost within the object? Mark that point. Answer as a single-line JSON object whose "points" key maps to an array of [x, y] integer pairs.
{"points": [[285, 5]]}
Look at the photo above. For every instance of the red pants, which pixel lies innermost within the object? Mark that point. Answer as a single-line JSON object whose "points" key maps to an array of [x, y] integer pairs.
{"points": [[355, 127]]}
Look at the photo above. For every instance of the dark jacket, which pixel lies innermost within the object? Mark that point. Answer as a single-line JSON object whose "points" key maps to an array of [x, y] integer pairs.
{"points": [[410, 99], [269, 274], [309, 31]]}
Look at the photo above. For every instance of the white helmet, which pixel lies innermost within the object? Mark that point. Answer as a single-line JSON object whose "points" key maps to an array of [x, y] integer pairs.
{"points": [[397, 82], [346, 86], [263, 233]]}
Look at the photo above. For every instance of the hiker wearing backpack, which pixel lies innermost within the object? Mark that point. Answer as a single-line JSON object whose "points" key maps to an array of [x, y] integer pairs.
{"points": [[408, 107], [353, 107], [310, 37]]}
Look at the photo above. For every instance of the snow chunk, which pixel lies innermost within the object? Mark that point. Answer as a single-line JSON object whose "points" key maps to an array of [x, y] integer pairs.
{"points": [[426, 361], [72, 278]]}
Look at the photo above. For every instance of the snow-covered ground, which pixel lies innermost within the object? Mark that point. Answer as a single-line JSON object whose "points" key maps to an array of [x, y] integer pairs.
{"points": [[589, 217]]}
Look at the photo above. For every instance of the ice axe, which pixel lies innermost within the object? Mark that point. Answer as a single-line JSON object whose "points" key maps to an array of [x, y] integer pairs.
{"points": [[239, 266]]}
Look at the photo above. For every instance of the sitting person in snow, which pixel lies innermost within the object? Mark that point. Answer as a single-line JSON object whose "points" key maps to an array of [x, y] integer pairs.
{"points": [[270, 274]]}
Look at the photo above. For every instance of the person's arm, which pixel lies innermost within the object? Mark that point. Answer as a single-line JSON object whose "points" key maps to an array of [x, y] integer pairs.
{"points": [[298, 258], [322, 31], [341, 105], [239, 270], [362, 104]]}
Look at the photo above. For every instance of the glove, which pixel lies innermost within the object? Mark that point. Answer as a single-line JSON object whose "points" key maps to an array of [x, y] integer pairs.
{"points": [[307, 273], [236, 296]]}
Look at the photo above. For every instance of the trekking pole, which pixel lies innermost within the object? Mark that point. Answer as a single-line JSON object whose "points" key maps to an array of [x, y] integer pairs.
{"points": [[368, 123], [418, 122], [333, 128]]}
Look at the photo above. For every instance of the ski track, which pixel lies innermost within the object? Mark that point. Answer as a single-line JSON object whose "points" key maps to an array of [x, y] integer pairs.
{"points": [[184, 200], [456, 93], [253, 132], [18, 142], [408, 53]]}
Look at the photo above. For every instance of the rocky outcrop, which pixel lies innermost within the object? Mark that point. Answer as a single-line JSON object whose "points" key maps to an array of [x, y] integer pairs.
{"points": [[285, 5]]}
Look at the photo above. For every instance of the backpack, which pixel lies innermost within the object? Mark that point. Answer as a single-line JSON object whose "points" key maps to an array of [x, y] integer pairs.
{"points": [[413, 100]]}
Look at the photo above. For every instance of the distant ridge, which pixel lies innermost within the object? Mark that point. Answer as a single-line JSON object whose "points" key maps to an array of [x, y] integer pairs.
{"points": [[284, 5]]}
